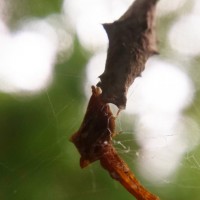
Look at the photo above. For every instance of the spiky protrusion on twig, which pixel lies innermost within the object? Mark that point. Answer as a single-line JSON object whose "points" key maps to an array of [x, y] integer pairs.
{"points": [[132, 39]]}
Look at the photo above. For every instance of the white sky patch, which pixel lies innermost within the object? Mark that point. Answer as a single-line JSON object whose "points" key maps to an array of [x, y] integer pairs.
{"points": [[163, 87], [157, 167], [65, 40], [156, 131], [164, 7], [196, 8], [91, 34], [94, 69], [184, 35], [26, 60], [86, 17], [159, 158]]}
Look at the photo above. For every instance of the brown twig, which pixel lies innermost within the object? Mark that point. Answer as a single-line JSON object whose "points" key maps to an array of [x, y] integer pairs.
{"points": [[131, 41]]}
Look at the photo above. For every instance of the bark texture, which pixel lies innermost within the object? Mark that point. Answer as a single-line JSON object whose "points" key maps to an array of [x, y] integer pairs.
{"points": [[132, 39]]}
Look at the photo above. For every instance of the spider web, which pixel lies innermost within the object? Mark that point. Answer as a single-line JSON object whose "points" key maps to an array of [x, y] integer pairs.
{"points": [[37, 161], [183, 180], [47, 164]]}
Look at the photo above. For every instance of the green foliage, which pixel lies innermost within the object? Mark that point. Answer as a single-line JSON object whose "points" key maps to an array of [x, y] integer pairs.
{"points": [[23, 9], [37, 161]]}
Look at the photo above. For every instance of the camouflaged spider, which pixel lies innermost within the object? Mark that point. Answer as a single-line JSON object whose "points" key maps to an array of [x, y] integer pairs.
{"points": [[94, 142]]}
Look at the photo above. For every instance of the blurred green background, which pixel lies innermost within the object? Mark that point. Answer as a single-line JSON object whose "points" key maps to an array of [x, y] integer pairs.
{"points": [[37, 161]]}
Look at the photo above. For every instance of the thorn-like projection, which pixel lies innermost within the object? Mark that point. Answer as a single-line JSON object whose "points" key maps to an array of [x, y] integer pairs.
{"points": [[132, 39]]}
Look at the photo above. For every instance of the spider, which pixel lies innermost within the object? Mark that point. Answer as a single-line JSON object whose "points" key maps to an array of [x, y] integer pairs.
{"points": [[132, 40], [94, 142]]}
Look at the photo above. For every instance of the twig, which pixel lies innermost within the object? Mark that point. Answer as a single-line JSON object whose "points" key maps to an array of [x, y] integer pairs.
{"points": [[132, 40]]}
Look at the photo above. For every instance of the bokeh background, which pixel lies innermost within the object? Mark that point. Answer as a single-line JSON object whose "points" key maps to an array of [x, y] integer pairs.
{"points": [[51, 52]]}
